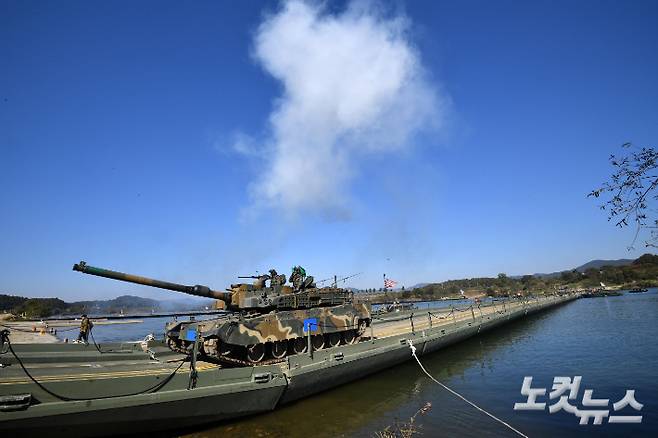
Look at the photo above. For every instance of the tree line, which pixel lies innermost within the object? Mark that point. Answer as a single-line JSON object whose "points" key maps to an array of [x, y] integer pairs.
{"points": [[642, 272]]}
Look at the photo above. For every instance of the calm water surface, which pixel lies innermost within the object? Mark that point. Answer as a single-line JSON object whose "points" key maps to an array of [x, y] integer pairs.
{"points": [[130, 331], [608, 341]]}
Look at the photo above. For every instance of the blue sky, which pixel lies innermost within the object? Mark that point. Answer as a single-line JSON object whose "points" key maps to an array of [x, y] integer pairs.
{"points": [[120, 124]]}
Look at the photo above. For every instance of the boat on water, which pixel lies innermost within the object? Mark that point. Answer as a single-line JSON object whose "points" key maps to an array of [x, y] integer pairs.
{"points": [[637, 290], [600, 293]]}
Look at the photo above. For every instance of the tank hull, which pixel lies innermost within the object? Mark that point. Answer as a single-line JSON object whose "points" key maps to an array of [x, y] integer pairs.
{"points": [[270, 337]]}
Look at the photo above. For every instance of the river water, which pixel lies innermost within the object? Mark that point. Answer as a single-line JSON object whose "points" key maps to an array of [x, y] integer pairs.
{"points": [[608, 341]]}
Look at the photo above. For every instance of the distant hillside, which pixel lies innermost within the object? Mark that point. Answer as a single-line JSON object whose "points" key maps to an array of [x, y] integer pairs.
{"points": [[594, 264], [642, 272], [419, 285], [601, 263], [127, 304]]}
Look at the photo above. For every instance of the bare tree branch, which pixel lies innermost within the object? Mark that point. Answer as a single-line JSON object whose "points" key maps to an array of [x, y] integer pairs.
{"points": [[630, 191]]}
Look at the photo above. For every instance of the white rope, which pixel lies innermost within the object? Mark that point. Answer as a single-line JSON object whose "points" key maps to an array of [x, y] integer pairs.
{"points": [[413, 353]]}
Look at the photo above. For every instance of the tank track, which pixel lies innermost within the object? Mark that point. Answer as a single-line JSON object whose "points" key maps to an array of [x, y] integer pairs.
{"points": [[245, 363], [270, 360], [208, 351]]}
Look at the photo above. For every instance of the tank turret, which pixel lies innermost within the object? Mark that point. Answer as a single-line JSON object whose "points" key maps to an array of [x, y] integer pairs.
{"points": [[249, 297]]}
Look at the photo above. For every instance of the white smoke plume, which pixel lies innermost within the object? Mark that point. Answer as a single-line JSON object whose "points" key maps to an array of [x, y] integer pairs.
{"points": [[353, 85]]}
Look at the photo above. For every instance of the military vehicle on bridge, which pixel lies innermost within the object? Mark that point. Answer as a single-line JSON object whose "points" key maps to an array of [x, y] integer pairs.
{"points": [[263, 323]]}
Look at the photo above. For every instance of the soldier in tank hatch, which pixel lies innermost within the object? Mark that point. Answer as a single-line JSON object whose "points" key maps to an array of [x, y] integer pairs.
{"points": [[276, 279], [300, 280], [297, 276]]}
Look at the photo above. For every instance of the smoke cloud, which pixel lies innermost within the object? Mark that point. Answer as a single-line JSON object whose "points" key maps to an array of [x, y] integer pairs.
{"points": [[353, 85]]}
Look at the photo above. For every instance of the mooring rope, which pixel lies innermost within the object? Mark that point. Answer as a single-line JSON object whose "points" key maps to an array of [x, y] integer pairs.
{"points": [[98, 347], [413, 353], [441, 317]]}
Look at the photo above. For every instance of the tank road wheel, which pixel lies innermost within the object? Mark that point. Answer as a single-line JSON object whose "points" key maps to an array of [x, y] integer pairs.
{"points": [[279, 349], [362, 327], [298, 345], [224, 350], [173, 344], [333, 339], [349, 337], [318, 342], [255, 352]]}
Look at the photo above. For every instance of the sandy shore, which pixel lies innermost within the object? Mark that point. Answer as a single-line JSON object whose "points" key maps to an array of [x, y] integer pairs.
{"points": [[39, 332], [17, 337], [26, 332]]}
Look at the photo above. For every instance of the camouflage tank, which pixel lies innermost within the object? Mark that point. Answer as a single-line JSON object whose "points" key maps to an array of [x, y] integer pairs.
{"points": [[264, 323]]}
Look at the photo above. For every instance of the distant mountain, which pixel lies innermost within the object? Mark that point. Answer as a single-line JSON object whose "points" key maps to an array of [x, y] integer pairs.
{"points": [[419, 285], [127, 304], [539, 275], [601, 263], [116, 305], [131, 304], [596, 264]]}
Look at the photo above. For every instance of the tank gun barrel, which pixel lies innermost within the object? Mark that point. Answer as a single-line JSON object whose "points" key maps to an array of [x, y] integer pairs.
{"points": [[198, 290]]}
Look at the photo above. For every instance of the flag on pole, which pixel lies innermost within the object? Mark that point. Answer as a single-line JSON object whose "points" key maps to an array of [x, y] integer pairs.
{"points": [[389, 284], [461, 292]]}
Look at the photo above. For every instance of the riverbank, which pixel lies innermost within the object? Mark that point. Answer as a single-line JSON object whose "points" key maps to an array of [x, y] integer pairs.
{"points": [[29, 337], [51, 332]]}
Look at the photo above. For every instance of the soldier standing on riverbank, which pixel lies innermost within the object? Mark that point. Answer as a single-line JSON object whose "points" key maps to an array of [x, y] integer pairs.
{"points": [[85, 328]]}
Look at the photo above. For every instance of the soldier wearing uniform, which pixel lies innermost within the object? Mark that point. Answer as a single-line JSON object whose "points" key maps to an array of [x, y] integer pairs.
{"points": [[276, 278], [85, 328], [297, 277]]}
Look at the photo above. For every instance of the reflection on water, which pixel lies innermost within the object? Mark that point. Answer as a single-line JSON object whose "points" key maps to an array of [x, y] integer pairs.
{"points": [[606, 340]]}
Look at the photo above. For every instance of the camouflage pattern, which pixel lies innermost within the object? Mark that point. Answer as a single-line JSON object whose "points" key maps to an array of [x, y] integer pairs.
{"points": [[85, 324], [267, 323], [227, 337]]}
